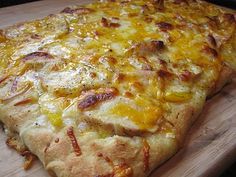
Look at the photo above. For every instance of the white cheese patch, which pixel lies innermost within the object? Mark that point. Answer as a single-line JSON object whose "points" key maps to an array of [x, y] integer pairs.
{"points": [[42, 120], [73, 42], [60, 51], [118, 48], [68, 121]]}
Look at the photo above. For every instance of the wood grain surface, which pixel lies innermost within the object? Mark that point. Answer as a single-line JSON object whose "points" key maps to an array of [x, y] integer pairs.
{"points": [[210, 145]]}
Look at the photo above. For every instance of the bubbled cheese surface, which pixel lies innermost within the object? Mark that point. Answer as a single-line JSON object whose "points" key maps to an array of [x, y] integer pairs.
{"points": [[153, 57]]}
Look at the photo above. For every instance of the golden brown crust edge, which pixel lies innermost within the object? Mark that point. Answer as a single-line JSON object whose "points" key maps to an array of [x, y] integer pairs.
{"points": [[99, 156]]}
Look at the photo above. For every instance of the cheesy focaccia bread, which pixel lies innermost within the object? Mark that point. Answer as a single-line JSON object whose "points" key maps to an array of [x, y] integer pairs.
{"points": [[110, 89]]}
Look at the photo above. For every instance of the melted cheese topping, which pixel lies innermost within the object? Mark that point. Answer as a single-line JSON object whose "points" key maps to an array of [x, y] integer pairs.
{"points": [[145, 118], [160, 56]]}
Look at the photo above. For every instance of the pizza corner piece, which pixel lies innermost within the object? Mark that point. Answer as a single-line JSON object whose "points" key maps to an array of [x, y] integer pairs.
{"points": [[109, 89]]}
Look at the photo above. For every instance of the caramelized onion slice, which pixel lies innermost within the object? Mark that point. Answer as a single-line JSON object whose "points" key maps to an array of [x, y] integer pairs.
{"points": [[37, 56]]}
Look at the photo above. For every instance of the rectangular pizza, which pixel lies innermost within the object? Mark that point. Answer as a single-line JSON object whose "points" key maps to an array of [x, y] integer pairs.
{"points": [[111, 88]]}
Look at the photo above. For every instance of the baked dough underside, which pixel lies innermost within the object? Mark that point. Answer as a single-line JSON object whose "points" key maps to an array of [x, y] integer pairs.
{"points": [[110, 88]]}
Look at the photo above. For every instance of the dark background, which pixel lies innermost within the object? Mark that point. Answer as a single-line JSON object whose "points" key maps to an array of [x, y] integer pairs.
{"points": [[4, 3], [227, 3], [230, 172]]}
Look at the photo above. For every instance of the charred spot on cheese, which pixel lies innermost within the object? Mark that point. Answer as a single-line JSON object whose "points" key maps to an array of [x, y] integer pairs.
{"points": [[164, 26], [78, 11], [112, 60], [138, 86], [35, 36], [210, 51], [92, 98], [146, 155], [146, 48], [114, 25], [164, 73], [75, 145], [104, 22], [212, 40], [93, 74], [213, 21], [129, 95], [159, 45], [37, 56], [230, 18], [107, 23], [186, 75], [162, 62], [152, 46], [119, 77]]}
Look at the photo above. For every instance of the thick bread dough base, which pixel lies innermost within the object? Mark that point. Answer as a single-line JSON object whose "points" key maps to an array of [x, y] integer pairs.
{"points": [[60, 160]]}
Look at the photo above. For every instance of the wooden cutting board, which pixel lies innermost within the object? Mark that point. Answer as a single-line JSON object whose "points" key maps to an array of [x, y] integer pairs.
{"points": [[211, 143]]}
